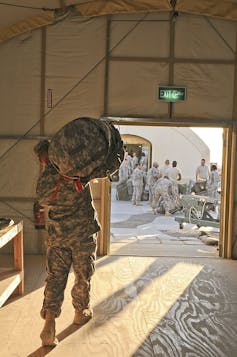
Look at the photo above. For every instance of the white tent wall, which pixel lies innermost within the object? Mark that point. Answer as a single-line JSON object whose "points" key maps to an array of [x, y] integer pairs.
{"points": [[87, 79], [179, 144]]}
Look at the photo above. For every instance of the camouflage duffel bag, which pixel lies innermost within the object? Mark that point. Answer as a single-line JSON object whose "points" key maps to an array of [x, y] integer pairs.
{"points": [[199, 187], [87, 148]]}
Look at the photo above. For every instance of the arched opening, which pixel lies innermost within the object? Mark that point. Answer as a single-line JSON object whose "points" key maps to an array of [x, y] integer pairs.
{"points": [[138, 145]]}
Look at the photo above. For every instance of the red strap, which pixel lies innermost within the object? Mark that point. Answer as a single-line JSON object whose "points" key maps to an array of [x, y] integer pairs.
{"points": [[78, 185], [54, 195]]}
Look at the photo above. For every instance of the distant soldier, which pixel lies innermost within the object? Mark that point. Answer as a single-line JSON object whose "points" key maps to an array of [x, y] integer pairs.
{"points": [[144, 161], [174, 175], [121, 187], [153, 175], [213, 183], [124, 171], [134, 161], [164, 168], [163, 195], [128, 158], [202, 176], [137, 183], [202, 172]]}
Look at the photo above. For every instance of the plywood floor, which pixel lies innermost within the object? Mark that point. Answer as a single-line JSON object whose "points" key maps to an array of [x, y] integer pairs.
{"points": [[143, 306]]}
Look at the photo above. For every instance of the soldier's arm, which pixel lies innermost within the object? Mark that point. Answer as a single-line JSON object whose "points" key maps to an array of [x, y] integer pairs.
{"points": [[47, 184], [197, 173]]}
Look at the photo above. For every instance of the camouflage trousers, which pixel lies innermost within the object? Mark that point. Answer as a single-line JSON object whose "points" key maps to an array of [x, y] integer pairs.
{"points": [[137, 193], [59, 261], [165, 198]]}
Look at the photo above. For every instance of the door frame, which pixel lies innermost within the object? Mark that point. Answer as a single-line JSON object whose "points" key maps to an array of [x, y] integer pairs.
{"points": [[228, 177]]}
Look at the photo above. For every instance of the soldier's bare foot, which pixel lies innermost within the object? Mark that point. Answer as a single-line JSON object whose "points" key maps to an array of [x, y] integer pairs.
{"points": [[48, 333], [82, 316]]}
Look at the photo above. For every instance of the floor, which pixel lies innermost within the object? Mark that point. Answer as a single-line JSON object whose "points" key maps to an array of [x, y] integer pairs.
{"points": [[161, 292], [136, 231], [143, 306]]}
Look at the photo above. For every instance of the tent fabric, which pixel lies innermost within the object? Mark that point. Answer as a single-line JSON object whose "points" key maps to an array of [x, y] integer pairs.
{"points": [[192, 40], [20, 73], [27, 25], [105, 7], [21, 20], [75, 70], [30, 21], [226, 9]]}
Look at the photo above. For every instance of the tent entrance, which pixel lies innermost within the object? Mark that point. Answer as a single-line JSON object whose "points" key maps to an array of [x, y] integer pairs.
{"points": [[225, 243]]}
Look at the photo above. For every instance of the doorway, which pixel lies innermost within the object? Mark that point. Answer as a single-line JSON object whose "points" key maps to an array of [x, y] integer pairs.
{"points": [[135, 230]]}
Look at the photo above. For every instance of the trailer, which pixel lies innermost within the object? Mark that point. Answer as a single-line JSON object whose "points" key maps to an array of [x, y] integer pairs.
{"points": [[199, 210]]}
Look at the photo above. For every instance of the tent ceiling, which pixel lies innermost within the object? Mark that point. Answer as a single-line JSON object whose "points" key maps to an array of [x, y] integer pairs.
{"points": [[22, 16]]}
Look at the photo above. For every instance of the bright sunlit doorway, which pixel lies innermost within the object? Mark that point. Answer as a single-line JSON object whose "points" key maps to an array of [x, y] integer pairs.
{"points": [[135, 230]]}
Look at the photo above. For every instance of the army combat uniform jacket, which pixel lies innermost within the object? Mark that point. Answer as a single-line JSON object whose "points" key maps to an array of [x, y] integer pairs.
{"points": [[71, 215]]}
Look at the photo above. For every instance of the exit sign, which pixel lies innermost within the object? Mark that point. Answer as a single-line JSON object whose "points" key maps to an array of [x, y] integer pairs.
{"points": [[172, 93]]}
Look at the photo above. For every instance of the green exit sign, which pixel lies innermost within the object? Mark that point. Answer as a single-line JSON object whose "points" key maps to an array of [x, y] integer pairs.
{"points": [[172, 93]]}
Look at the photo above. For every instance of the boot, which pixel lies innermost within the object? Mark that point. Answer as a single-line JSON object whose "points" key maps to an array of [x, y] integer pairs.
{"points": [[48, 333], [82, 316], [138, 203]]}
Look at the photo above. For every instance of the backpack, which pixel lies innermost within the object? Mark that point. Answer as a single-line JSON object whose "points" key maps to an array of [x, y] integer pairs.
{"points": [[87, 148]]}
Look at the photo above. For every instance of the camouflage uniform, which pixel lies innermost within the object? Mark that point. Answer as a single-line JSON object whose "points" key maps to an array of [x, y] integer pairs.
{"points": [[152, 177], [163, 190], [134, 161], [72, 225], [123, 172], [212, 186], [137, 182]]}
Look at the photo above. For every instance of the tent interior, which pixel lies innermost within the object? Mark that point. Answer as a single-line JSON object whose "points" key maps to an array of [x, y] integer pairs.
{"points": [[60, 60]]}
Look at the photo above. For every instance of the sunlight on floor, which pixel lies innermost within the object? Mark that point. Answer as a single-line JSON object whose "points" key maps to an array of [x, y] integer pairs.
{"points": [[134, 299]]}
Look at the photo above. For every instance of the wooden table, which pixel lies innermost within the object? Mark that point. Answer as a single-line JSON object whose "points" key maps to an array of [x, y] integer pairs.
{"points": [[12, 280]]}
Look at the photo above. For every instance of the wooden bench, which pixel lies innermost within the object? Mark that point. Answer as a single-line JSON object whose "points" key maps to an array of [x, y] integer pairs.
{"points": [[12, 280]]}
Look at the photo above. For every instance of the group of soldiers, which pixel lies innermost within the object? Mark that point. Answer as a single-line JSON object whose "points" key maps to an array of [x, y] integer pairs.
{"points": [[160, 184]]}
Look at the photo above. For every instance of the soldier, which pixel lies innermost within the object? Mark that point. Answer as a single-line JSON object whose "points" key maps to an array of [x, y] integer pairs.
{"points": [[214, 180], [134, 161], [121, 187], [144, 161], [71, 242], [162, 193], [164, 168], [137, 183], [152, 176], [202, 172], [124, 172], [174, 175]]}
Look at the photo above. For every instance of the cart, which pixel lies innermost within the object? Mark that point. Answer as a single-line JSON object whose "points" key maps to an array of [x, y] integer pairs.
{"points": [[199, 210]]}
